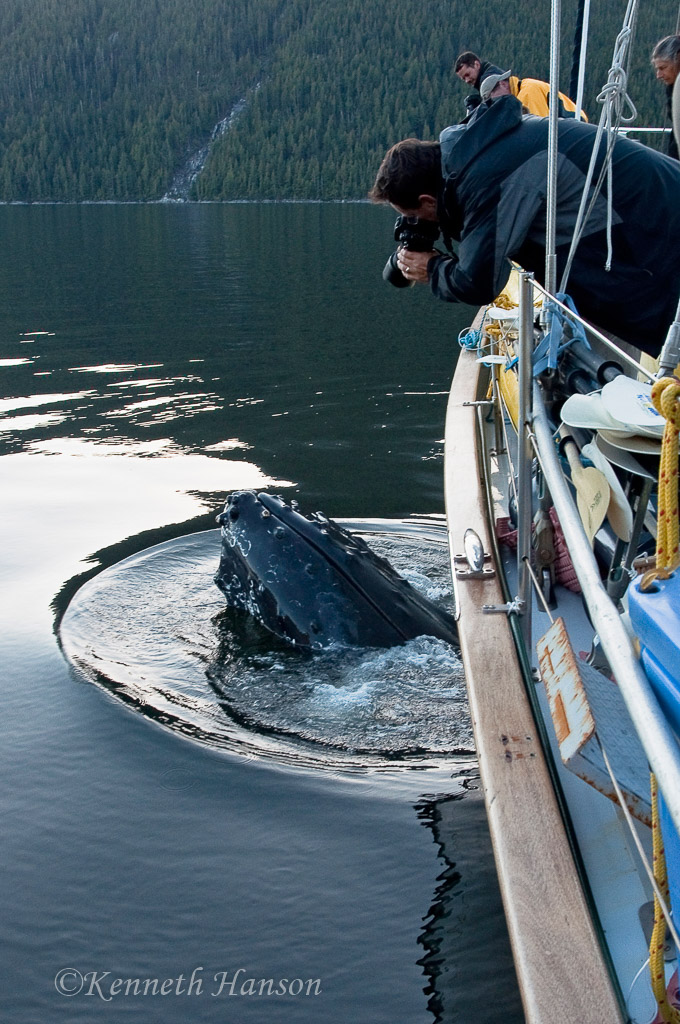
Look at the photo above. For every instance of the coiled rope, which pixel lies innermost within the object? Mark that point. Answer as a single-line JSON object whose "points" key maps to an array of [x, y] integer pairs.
{"points": [[665, 398], [669, 1014], [471, 338], [665, 395]]}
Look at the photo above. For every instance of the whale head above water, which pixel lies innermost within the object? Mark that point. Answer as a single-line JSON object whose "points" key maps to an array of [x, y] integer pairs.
{"points": [[315, 584]]}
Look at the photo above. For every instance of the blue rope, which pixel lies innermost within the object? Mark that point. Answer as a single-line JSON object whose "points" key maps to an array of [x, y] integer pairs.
{"points": [[472, 339], [553, 344]]}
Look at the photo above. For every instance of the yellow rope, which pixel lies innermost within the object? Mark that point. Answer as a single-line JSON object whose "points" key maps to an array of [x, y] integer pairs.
{"points": [[665, 394], [669, 1014], [507, 378], [505, 301]]}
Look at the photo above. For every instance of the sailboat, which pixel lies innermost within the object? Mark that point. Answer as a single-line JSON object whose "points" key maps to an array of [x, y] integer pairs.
{"points": [[562, 506]]}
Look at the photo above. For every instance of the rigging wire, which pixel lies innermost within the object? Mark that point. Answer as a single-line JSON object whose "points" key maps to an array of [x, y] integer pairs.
{"points": [[668, 917], [506, 442], [615, 102]]}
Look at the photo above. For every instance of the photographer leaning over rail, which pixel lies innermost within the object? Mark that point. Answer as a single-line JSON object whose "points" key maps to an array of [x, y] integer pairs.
{"points": [[484, 185], [666, 64]]}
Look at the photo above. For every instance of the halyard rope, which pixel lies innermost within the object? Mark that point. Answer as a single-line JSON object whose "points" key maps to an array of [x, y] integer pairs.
{"points": [[669, 1014], [665, 395], [659, 882]]}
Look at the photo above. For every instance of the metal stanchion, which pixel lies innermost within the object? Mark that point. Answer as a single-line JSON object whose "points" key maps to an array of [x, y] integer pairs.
{"points": [[525, 451]]}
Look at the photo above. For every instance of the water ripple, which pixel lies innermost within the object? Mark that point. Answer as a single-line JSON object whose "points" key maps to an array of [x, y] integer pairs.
{"points": [[154, 631]]}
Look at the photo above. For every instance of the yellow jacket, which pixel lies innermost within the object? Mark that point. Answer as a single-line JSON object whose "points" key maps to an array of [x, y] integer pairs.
{"points": [[534, 95]]}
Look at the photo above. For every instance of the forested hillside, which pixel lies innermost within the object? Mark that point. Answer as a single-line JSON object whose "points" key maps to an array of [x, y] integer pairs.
{"points": [[107, 99]]}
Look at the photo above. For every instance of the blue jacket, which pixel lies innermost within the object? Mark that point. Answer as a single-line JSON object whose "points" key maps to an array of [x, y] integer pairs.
{"points": [[493, 202]]}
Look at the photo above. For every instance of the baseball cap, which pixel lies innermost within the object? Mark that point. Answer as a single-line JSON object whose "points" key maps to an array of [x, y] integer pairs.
{"points": [[490, 83]]}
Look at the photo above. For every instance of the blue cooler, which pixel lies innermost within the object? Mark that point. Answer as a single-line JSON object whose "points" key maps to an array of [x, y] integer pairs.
{"points": [[655, 615]]}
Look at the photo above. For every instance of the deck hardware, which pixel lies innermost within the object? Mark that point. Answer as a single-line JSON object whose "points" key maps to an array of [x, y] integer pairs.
{"points": [[474, 550], [464, 573], [484, 403], [475, 562], [516, 607]]}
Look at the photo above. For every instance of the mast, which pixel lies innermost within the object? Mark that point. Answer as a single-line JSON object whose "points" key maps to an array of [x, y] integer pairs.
{"points": [[582, 60], [551, 196]]}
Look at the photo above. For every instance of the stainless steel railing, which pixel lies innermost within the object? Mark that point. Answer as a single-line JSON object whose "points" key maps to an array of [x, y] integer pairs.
{"points": [[655, 734]]}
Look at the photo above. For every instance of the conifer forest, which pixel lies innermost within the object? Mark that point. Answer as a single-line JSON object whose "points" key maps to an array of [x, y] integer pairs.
{"points": [[106, 100]]}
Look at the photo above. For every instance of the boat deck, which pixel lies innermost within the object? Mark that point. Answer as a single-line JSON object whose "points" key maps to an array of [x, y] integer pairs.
{"points": [[563, 973]]}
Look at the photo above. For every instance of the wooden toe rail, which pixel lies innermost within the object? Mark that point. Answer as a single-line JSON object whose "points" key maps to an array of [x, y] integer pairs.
{"points": [[560, 966]]}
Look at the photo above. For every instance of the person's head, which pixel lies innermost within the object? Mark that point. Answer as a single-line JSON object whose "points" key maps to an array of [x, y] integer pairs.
{"points": [[666, 59], [494, 86], [467, 67], [410, 178]]}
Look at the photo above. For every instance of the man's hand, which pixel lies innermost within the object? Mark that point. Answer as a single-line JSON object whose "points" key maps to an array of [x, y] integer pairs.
{"points": [[413, 265]]}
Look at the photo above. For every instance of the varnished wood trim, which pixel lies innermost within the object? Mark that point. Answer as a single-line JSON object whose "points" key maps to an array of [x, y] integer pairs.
{"points": [[560, 966]]}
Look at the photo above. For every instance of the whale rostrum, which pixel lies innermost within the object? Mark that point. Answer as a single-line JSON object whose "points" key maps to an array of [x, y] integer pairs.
{"points": [[315, 584]]}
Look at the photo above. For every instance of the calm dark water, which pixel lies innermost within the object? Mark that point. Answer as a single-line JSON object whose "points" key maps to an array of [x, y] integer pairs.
{"points": [[153, 359]]}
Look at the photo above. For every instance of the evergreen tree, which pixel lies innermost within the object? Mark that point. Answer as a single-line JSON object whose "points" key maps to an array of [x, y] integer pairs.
{"points": [[107, 99]]}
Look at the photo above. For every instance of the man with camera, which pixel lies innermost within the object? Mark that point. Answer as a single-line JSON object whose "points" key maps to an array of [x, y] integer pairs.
{"points": [[484, 186]]}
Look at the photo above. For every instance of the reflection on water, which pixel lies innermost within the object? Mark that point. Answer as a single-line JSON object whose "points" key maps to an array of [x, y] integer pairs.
{"points": [[11, 404], [123, 486], [185, 325], [155, 631], [115, 368], [154, 359], [467, 954], [134, 401]]}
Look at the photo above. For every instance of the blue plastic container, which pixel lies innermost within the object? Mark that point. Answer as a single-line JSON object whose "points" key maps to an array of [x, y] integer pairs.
{"points": [[655, 615]]}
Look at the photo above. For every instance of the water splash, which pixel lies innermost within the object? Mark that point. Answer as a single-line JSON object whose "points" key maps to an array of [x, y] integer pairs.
{"points": [[154, 631]]}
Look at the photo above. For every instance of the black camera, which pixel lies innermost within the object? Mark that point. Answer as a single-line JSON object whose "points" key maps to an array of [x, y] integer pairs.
{"points": [[414, 234]]}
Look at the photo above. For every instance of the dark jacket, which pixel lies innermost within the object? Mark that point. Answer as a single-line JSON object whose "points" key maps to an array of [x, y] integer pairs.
{"points": [[671, 144], [486, 69], [493, 202]]}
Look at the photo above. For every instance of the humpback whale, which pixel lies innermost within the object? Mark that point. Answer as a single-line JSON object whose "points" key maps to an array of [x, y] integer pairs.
{"points": [[315, 584]]}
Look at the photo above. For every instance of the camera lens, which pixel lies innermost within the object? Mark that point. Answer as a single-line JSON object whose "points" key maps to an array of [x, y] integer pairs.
{"points": [[393, 275]]}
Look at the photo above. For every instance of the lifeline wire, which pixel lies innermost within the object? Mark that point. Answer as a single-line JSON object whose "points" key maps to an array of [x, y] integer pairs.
{"points": [[538, 590], [623, 356], [643, 856], [505, 439]]}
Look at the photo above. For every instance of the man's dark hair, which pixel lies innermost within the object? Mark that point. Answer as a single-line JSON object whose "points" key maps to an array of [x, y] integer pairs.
{"points": [[466, 59], [411, 168]]}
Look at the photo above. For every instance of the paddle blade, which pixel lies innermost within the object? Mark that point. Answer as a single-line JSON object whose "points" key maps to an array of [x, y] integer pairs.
{"points": [[592, 499], [619, 511]]}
